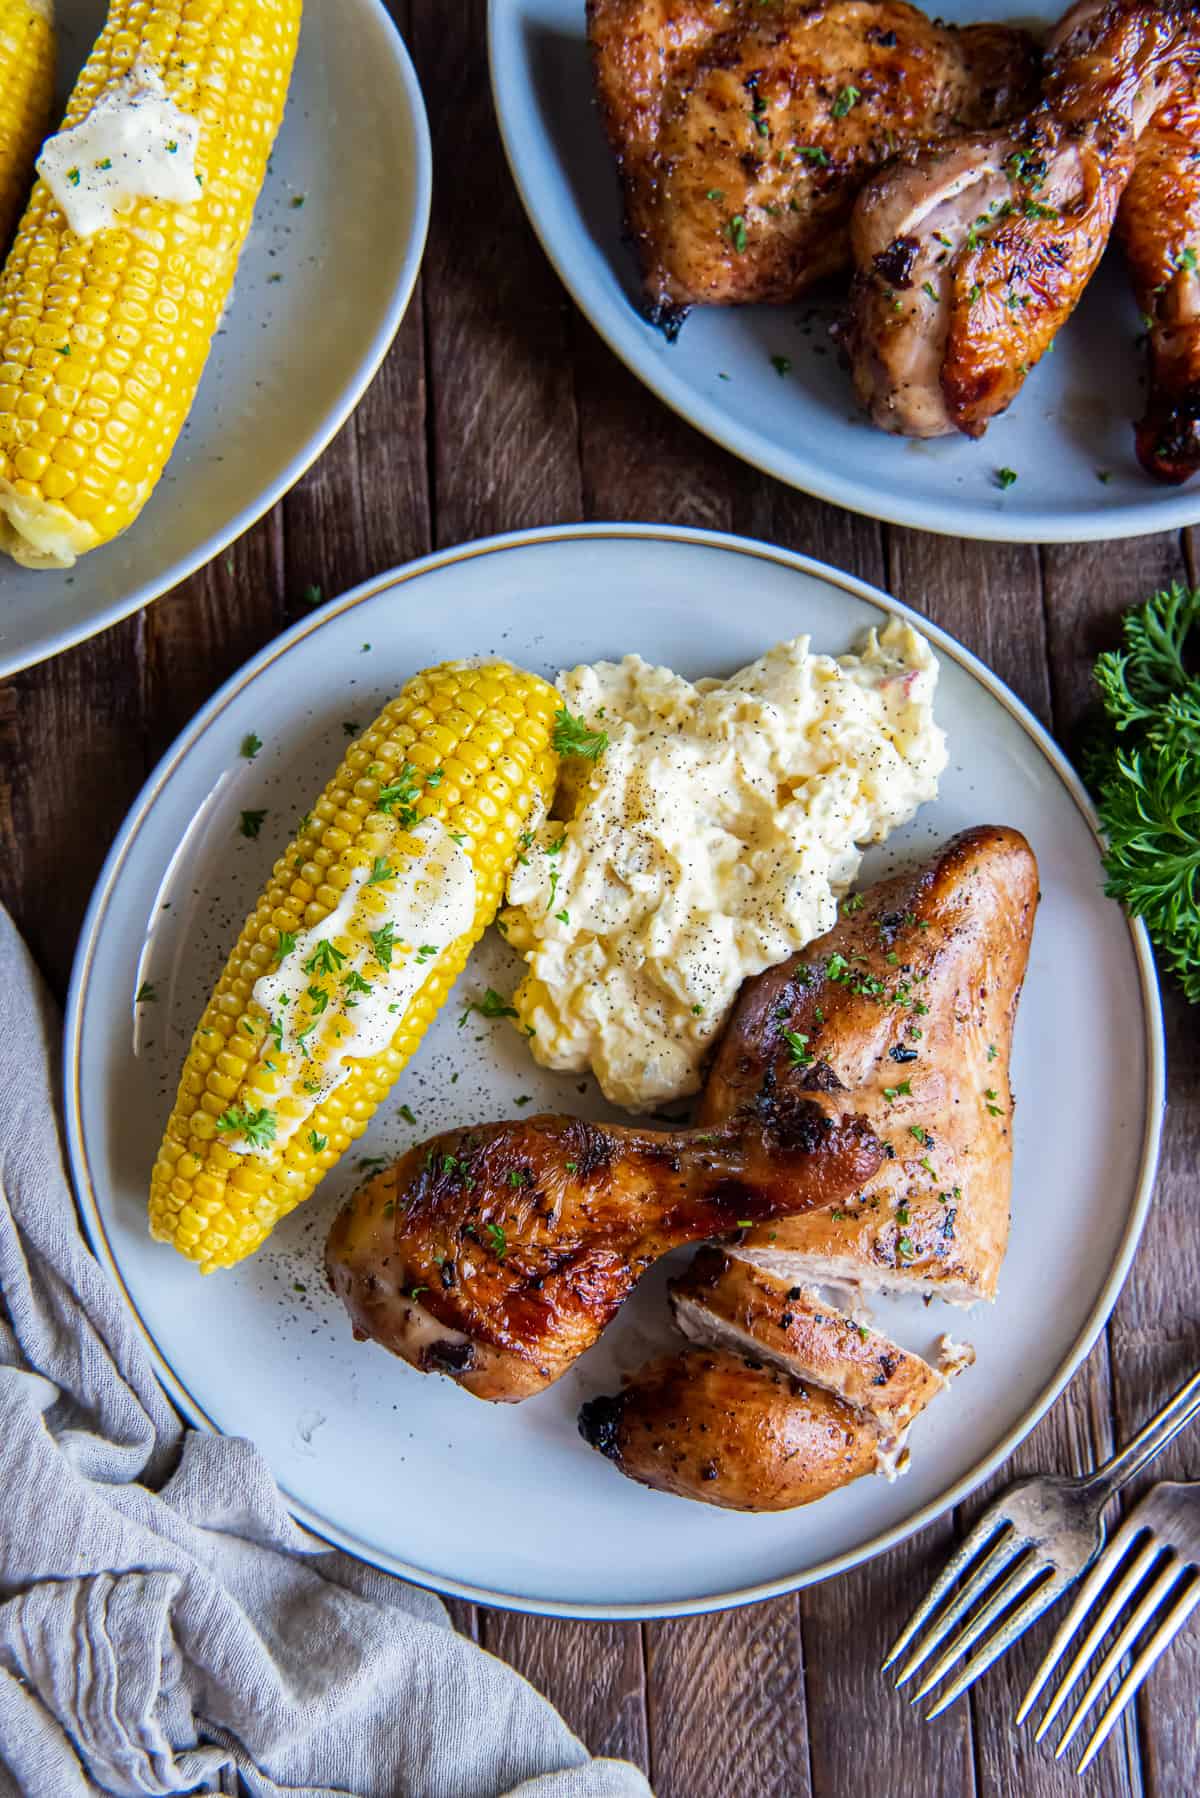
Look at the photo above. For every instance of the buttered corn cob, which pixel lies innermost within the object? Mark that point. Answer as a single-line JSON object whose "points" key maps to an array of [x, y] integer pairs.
{"points": [[103, 337], [26, 89], [368, 919]]}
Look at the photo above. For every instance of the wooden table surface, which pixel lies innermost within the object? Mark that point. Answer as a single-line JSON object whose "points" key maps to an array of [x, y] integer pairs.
{"points": [[500, 408]]}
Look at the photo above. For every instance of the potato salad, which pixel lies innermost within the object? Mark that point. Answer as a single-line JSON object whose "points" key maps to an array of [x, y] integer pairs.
{"points": [[704, 831]]}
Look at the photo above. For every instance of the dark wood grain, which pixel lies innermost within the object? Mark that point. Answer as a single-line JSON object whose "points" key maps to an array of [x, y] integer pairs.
{"points": [[499, 407]]}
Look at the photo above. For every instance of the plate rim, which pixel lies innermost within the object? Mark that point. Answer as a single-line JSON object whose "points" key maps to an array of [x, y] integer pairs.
{"points": [[1152, 1029], [1167, 512], [313, 447]]}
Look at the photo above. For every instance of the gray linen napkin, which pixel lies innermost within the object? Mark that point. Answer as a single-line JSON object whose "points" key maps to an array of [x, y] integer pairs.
{"points": [[164, 1625]]}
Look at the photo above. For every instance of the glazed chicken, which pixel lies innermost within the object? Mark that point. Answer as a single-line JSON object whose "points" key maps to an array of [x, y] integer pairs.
{"points": [[498, 1255], [743, 132], [970, 257], [1158, 226]]}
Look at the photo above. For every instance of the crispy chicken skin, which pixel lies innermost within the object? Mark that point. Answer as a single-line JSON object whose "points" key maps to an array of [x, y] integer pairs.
{"points": [[906, 1009], [743, 131], [970, 257], [498, 1255], [1158, 226], [731, 1431]]}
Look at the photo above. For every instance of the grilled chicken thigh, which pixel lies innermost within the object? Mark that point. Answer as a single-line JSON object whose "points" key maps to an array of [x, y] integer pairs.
{"points": [[1158, 226], [970, 256], [905, 1012], [497, 1255], [743, 132]]}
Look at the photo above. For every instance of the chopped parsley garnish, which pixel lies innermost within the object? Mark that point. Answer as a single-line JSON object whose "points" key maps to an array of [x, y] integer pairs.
{"points": [[146, 995], [905, 1248], [313, 596], [73, 177], [1188, 260], [406, 1112], [383, 942], [798, 1049], [380, 871], [852, 903], [258, 1127], [369, 1163], [813, 153], [492, 1005], [782, 365], [921, 1134], [892, 1093], [251, 744], [318, 1000], [847, 97], [562, 917], [353, 982], [572, 737], [499, 1241], [992, 1051], [400, 797], [318, 1144], [927, 287], [251, 823], [350, 728], [715, 193], [425, 951], [1005, 477], [326, 958], [735, 231]]}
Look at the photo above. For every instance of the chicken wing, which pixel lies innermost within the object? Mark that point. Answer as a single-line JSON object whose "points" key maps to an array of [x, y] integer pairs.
{"points": [[1158, 225], [498, 1255], [743, 132], [970, 257], [726, 1429]]}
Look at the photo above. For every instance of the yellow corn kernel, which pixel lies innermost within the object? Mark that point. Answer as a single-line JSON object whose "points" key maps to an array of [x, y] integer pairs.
{"points": [[217, 1202], [114, 329], [26, 89]]}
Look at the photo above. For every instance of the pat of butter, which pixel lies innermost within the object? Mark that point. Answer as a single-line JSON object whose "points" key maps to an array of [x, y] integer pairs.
{"points": [[135, 143]]}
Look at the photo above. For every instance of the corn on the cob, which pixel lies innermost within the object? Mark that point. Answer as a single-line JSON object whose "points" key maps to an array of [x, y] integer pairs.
{"points": [[103, 339], [468, 745], [26, 89]]}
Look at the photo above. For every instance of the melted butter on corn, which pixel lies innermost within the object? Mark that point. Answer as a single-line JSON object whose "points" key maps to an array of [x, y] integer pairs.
{"points": [[135, 143], [337, 995]]}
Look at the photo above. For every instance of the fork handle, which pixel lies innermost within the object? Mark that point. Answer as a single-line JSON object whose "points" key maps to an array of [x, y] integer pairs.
{"points": [[1163, 1428]]}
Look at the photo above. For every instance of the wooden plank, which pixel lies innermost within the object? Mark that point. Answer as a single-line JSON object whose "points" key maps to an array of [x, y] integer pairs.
{"points": [[1152, 1334], [727, 1704], [592, 1672], [503, 411], [71, 759]]}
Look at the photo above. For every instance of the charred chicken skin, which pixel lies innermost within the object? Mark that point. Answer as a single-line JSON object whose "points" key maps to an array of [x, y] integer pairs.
{"points": [[1158, 226], [969, 257], [498, 1255], [743, 133]]}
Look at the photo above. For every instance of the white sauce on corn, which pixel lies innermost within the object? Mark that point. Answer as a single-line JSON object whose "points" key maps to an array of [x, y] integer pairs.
{"points": [[709, 841], [428, 905], [135, 143]]}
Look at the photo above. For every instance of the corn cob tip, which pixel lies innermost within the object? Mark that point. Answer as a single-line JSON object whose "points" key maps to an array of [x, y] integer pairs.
{"points": [[36, 533]]}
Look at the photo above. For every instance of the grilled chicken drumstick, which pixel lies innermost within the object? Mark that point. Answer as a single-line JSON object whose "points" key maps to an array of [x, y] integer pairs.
{"points": [[497, 1255], [970, 257], [744, 132]]}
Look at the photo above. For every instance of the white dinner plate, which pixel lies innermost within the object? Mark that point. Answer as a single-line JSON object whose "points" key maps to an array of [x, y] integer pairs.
{"points": [[506, 1503], [1070, 427], [323, 283]]}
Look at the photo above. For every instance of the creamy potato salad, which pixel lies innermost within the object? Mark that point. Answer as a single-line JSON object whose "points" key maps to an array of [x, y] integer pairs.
{"points": [[706, 832]]}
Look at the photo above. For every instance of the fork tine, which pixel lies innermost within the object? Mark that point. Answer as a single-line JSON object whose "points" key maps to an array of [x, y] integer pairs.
{"points": [[1027, 1612], [971, 1544], [1105, 1567], [1170, 1575], [1028, 1568], [1166, 1632], [994, 1562]]}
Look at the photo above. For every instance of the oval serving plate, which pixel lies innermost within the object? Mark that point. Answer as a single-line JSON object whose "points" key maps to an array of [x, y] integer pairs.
{"points": [[1068, 437], [506, 1504], [321, 290]]}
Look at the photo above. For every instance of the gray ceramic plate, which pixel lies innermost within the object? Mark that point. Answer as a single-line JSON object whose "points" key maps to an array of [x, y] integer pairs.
{"points": [[1068, 429], [505, 1503], [294, 355]]}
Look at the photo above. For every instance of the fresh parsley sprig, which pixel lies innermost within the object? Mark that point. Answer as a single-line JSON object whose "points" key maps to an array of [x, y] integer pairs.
{"points": [[1144, 770]]}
